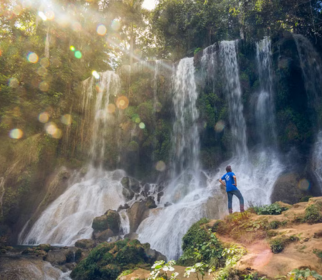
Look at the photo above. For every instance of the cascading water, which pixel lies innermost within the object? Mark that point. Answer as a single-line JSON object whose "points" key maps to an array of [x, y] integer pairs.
{"points": [[312, 75], [228, 57], [265, 117], [164, 229], [185, 129], [70, 216]]}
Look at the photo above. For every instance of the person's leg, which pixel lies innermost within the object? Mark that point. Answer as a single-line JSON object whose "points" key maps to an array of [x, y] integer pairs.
{"points": [[241, 200], [230, 202]]}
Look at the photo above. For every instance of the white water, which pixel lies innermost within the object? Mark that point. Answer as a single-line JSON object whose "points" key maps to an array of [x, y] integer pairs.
{"points": [[185, 129], [264, 112], [228, 57], [69, 218], [164, 229]]}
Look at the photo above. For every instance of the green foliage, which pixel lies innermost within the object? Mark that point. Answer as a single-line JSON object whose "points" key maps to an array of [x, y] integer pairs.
{"points": [[125, 272], [278, 244], [318, 253], [274, 224], [159, 267], [200, 245], [107, 260], [297, 274], [313, 214], [273, 209]]}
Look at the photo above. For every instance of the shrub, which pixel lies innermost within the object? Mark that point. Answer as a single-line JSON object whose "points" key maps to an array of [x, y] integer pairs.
{"points": [[273, 209], [274, 224], [278, 244], [318, 253], [313, 214]]}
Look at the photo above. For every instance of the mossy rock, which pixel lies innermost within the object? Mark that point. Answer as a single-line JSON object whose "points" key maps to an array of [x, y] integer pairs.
{"points": [[110, 220], [107, 260], [85, 243]]}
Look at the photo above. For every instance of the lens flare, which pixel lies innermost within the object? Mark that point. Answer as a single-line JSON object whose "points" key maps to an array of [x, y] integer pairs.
{"points": [[43, 117], [111, 108], [32, 57], [66, 119], [44, 62], [42, 15], [220, 125], [51, 128], [137, 120], [96, 75], [0, 52], [122, 102], [78, 54], [13, 82], [72, 48], [304, 184], [142, 125], [41, 71], [116, 24], [16, 133], [160, 166], [101, 30], [43, 86], [58, 134], [50, 15]]}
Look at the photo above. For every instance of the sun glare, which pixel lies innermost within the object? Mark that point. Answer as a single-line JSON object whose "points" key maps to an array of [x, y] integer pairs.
{"points": [[149, 4]]}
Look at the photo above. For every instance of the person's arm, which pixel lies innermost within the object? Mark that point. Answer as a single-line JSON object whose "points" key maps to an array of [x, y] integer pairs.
{"points": [[235, 179], [222, 182]]}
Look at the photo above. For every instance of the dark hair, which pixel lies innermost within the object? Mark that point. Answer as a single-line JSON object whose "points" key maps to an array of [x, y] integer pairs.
{"points": [[228, 168]]}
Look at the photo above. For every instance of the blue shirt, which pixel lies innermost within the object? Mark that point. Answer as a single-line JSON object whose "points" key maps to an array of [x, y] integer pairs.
{"points": [[228, 178]]}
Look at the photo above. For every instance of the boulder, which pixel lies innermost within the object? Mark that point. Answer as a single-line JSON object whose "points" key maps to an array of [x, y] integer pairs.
{"points": [[131, 184], [57, 257], [85, 243], [167, 204], [153, 254], [103, 235], [137, 213], [150, 203], [286, 189], [122, 207], [110, 220], [128, 194], [131, 236]]}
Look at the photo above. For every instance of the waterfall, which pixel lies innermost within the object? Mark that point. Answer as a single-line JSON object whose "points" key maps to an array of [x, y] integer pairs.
{"points": [[165, 228], [69, 218], [185, 129], [109, 84], [228, 57], [312, 75], [311, 69], [264, 111]]}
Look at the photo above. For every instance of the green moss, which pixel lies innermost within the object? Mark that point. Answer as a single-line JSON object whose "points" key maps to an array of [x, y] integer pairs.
{"points": [[278, 244], [313, 214], [107, 260]]}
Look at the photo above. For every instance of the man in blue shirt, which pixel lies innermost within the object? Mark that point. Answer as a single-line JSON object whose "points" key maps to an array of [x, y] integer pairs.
{"points": [[230, 181]]}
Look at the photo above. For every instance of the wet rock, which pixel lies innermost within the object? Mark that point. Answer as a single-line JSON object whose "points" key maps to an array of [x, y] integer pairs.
{"points": [[122, 207], [153, 254], [128, 194], [137, 213], [131, 184], [85, 243], [146, 190], [131, 235], [34, 252], [286, 189], [110, 220], [160, 194], [114, 238], [57, 257], [167, 204], [103, 235], [150, 203], [45, 247]]}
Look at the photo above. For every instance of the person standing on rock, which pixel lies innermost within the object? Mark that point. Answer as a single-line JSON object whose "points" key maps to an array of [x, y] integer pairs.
{"points": [[230, 181]]}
